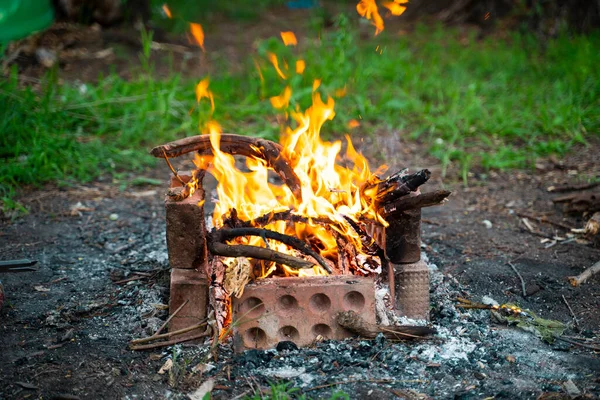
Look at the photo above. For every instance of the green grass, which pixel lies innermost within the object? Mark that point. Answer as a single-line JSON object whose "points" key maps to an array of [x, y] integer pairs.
{"points": [[489, 103], [284, 391]]}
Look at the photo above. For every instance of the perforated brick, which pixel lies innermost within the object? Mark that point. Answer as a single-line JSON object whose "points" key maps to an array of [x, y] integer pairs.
{"points": [[298, 309]]}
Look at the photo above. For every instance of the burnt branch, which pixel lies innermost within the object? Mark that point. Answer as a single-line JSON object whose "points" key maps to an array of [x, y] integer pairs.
{"points": [[217, 245], [354, 323], [397, 185], [413, 202], [232, 144]]}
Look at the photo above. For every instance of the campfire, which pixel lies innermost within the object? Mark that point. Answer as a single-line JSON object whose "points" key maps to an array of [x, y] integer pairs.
{"points": [[301, 233], [283, 259]]}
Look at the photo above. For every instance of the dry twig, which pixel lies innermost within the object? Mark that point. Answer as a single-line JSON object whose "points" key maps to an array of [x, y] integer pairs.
{"points": [[571, 311], [585, 275], [523, 288]]}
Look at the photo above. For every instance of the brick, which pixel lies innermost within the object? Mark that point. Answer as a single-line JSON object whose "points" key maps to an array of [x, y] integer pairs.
{"points": [[191, 285], [186, 240], [411, 284], [298, 309]]}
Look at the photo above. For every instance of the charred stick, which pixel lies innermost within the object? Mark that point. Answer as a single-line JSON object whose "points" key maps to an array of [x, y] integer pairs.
{"points": [[222, 235], [259, 253], [585, 275], [232, 144], [353, 322], [184, 192], [167, 335], [398, 185], [173, 169], [411, 203], [368, 243], [135, 347]]}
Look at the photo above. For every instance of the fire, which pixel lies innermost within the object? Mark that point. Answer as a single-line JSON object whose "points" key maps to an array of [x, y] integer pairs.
{"points": [[396, 8], [273, 59], [198, 34], [300, 67], [289, 39], [167, 11], [369, 10]]}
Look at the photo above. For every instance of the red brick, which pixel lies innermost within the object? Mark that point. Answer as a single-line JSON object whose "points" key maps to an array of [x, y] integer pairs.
{"points": [[191, 285], [299, 309], [186, 240]]}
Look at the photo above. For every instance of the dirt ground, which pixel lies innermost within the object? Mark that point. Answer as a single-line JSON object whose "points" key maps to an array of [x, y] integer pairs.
{"points": [[64, 328]]}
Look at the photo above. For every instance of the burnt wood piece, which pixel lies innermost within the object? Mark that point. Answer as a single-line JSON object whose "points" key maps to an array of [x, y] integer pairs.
{"points": [[354, 323], [183, 192], [397, 185], [233, 144], [403, 237], [217, 239], [413, 202], [582, 202], [17, 265]]}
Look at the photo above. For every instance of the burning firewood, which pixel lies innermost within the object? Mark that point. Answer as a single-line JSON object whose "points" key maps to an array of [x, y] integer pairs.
{"points": [[217, 245], [414, 202], [397, 185], [232, 144], [353, 322]]}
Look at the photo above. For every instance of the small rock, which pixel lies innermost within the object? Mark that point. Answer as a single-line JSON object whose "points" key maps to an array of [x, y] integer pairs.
{"points": [[487, 223], [113, 217], [571, 389], [46, 57]]}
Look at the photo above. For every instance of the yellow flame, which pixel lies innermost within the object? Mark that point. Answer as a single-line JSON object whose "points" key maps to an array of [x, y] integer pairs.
{"points": [[273, 59], [396, 8], [368, 9], [300, 67], [198, 34], [167, 11], [283, 100], [202, 92], [289, 39]]}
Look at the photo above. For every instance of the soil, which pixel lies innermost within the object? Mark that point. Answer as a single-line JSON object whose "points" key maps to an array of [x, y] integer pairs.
{"points": [[102, 280]]}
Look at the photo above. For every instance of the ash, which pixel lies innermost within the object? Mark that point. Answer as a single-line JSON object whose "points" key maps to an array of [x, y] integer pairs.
{"points": [[468, 358]]}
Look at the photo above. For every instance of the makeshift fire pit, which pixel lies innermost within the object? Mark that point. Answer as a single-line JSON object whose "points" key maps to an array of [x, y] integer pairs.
{"points": [[285, 272]]}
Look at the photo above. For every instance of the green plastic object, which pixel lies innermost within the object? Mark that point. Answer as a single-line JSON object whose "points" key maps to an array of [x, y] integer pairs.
{"points": [[19, 18]]}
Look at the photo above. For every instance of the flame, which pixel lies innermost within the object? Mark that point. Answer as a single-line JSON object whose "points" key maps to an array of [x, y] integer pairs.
{"points": [[283, 100], [167, 11], [289, 39], [353, 124], [203, 92], [198, 34], [329, 190], [300, 67], [273, 59], [396, 8], [369, 10]]}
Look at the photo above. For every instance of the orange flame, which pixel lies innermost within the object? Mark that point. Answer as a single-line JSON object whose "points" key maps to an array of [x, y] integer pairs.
{"points": [[353, 124], [289, 39], [300, 67], [368, 9], [203, 92], [396, 8], [167, 11], [283, 100], [198, 34], [273, 59]]}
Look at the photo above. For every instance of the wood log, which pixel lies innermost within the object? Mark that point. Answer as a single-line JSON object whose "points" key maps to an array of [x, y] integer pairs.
{"points": [[354, 323], [217, 239], [579, 203], [411, 203], [395, 186], [233, 144]]}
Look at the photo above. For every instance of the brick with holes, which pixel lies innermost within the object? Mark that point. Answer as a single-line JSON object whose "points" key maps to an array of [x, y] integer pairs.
{"points": [[298, 309]]}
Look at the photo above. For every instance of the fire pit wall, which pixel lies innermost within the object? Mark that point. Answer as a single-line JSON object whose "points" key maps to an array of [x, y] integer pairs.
{"points": [[296, 309]]}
